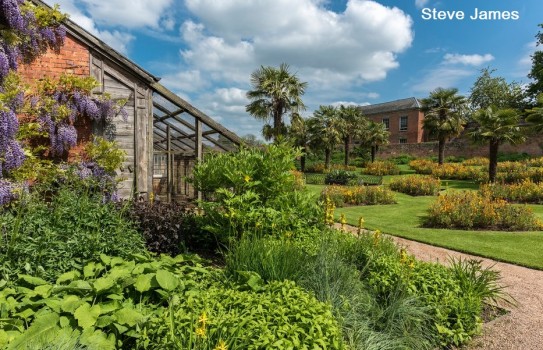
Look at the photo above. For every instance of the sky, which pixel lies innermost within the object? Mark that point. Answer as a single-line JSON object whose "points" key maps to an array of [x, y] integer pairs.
{"points": [[348, 51]]}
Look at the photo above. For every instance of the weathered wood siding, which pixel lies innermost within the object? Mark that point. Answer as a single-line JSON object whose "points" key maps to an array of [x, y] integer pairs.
{"points": [[134, 135]]}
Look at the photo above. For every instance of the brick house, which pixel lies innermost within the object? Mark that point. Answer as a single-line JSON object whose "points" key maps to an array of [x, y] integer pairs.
{"points": [[403, 119], [164, 135]]}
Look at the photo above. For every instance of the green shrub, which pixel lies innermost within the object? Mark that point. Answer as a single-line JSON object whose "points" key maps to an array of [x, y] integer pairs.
{"points": [[325, 265], [49, 235], [255, 193], [381, 168], [167, 303], [338, 177], [416, 185], [401, 159]]}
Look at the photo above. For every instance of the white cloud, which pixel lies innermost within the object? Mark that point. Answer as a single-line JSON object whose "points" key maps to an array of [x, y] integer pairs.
{"points": [[467, 60], [185, 80], [421, 3], [128, 13], [359, 44]]}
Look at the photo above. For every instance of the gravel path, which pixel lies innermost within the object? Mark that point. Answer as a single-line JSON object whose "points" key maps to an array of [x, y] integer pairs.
{"points": [[522, 327]]}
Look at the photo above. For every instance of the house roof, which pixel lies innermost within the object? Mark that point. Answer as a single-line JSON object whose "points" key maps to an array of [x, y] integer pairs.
{"points": [[392, 106], [183, 106]]}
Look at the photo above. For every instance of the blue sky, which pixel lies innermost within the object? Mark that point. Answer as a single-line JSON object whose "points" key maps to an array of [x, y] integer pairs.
{"points": [[349, 51]]}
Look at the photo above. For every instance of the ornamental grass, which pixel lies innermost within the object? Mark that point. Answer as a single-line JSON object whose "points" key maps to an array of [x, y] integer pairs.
{"points": [[358, 195], [470, 210], [416, 185]]}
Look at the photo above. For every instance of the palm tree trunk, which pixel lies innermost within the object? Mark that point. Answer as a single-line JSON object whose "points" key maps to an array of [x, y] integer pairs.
{"points": [[327, 154], [347, 149], [373, 152], [302, 160], [493, 157], [441, 151]]}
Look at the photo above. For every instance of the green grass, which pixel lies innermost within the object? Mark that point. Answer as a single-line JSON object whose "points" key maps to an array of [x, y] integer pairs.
{"points": [[403, 220]]}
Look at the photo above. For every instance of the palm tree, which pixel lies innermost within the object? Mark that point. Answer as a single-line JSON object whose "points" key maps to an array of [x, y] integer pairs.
{"points": [[355, 125], [535, 115], [495, 127], [325, 131], [275, 92], [444, 116], [375, 135], [299, 135]]}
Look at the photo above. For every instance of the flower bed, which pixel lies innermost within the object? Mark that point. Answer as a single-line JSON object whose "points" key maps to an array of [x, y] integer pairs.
{"points": [[474, 210], [416, 185], [358, 195], [526, 191], [381, 168]]}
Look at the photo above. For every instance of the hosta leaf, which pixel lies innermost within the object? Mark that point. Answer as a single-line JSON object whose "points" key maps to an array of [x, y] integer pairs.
{"points": [[43, 327], [68, 276], [97, 340], [128, 316], [166, 280], [143, 282], [44, 290], [103, 284], [70, 303], [34, 281], [87, 315]]}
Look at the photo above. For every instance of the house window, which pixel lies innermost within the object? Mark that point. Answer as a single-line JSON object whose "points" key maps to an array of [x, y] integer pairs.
{"points": [[403, 123], [386, 121], [403, 140]]}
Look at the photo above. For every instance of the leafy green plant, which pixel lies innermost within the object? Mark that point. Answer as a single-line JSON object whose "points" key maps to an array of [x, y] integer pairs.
{"points": [[161, 303], [358, 195], [338, 177], [47, 234]]}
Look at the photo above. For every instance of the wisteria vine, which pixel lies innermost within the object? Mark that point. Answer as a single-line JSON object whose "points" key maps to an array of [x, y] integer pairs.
{"points": [[26, 32]]}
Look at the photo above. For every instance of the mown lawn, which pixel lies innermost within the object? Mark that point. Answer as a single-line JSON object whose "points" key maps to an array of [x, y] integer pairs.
{"points": [[403, 220]]}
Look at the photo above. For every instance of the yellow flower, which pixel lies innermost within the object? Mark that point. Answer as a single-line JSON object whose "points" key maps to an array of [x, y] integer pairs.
{"points": [[247, 178], [203, 319], [221, 346], [201, 332]]}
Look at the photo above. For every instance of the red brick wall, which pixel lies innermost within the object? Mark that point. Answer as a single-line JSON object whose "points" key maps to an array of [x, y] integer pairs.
{"points": [[414, 133], [73, 58]]}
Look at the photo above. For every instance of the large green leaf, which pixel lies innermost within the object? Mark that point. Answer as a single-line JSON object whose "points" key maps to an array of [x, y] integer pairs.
{"points": [[128, 316], [166, 280], [87, 315], [143, 282], [103, 284], [70, 303], [68, 276], [97, 340], [44, 326], [34, 281]]}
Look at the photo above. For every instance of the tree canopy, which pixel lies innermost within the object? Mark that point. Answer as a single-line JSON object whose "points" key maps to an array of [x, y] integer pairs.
{"points": [[275, 92]]}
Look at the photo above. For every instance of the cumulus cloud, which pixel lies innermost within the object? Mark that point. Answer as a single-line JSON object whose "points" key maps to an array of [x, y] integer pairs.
{"points": [[468, 60], [360, 43]]}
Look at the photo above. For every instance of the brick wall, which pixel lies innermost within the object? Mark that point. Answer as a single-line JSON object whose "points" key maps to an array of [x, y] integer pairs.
{"points": [[461, 147], [73, 58], [414, 132]]}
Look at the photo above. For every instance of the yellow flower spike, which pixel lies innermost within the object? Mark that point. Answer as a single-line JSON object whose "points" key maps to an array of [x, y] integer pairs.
{"points": [[201, 332], [360, 225], [221, 345], [203, 319], [343, 222]]}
